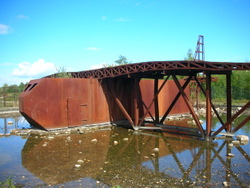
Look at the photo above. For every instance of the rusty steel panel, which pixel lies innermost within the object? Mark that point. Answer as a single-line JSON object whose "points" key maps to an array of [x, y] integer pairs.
{"points": [[77, 112], [57, 103], [51, 103]]}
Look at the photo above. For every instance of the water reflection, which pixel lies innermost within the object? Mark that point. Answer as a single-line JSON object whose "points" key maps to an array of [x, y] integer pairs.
{"points": [[60, 159], [120, 157], [15, 122]]}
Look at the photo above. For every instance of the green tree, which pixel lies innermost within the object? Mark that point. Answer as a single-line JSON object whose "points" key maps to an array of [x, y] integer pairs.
{"points": [[122, 60], [190, 56], [21, 86], [62, 73]]}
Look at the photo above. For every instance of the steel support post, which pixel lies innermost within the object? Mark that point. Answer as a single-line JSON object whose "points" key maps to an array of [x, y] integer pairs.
{"points": [[208, 106], [229, 100], [152, 102], [156, 103], [136, 101], [214, 109]]}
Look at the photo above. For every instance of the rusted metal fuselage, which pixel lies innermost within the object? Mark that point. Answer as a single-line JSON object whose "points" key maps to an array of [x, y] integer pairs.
{"points": [[51, 103]]}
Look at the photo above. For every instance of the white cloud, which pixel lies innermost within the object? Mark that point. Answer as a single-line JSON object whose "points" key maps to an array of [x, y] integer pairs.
{"points": [[4, 29], [122, 20], [93, 49], [37, 69], [23, 17], [98, 66]]}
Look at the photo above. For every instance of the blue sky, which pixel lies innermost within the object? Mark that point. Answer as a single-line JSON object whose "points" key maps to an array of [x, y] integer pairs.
{"points": [[38, 35]]}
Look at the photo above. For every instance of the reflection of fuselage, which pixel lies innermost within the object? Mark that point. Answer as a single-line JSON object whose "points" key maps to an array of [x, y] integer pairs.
{"points": [[53, 159], [51, 103]]}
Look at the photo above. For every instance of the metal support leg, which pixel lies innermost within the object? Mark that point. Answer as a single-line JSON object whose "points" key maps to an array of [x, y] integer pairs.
{"points": [[136, 107], [229, 101], [208, 106], [156, 103]]}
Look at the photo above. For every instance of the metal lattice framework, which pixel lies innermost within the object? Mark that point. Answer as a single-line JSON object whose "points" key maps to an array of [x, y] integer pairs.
{"points": [[159, 68]]}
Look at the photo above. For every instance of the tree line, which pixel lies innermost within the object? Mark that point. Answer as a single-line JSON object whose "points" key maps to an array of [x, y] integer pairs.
{"points": [[240, 82]]}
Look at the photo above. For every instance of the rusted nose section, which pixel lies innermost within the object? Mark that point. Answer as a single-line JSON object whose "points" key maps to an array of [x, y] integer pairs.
{"points": [[51, 103]]}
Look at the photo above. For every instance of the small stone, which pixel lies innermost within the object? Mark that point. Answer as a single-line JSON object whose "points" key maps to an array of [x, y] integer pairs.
{"points": [[156, 150], [152, 155], [230, 155], [10, 122], [225, 183], [94, 140], [230, 145], [80, 161], [242, 138], [115, 142], [236, 142], [77, 165], [125, 139], [50, 137], [80, 131]]}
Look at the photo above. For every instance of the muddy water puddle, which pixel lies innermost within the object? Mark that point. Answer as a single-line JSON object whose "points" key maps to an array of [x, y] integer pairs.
{"points": [[119, 157]]}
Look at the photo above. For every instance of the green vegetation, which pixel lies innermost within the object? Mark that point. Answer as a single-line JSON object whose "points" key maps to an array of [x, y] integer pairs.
{"points": [[9, 94], [240, 86], [62, 73], [190, 56], [8, 183], [121, 61]]}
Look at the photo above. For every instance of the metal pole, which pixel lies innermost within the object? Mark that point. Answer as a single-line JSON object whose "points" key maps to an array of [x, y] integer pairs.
{"points": [[136, 107], [156, 103], [208, 106], [229, 101]]}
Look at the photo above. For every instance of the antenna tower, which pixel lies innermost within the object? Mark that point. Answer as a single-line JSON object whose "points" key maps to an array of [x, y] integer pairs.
{"points": [[199, 54]]}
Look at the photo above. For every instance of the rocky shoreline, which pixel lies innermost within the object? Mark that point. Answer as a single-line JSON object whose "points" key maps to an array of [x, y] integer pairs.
{"points": [[9, 112]]}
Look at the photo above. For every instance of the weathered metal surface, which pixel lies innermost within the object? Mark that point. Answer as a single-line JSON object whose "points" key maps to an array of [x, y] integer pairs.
{"points": [[51, 103]]}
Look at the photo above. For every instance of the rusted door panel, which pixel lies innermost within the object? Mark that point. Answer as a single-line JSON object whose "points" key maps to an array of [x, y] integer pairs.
{"points": [[85, 114], [77, 112]]}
